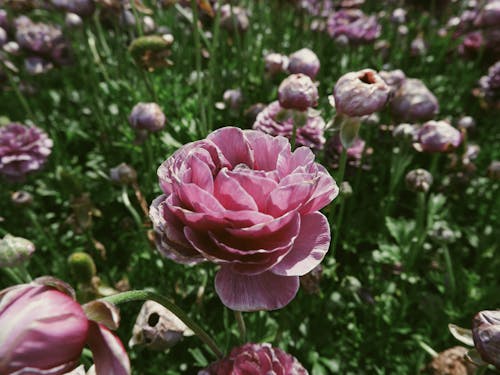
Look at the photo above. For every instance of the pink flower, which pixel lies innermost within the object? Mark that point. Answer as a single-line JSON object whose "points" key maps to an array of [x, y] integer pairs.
{"points": [[243, 200], [438, 136], [256, 359], [44, 331], [298, 92], [304, 61]]}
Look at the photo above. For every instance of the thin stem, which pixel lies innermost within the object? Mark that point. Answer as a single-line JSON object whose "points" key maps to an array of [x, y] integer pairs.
{"points": [[19, 94], [241, 325], [13, 275], [449, 270], [141, 199], [130, 208], [340, 178], [143, 295]]}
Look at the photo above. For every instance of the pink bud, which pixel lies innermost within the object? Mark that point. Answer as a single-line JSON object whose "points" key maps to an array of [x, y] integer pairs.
{"points": [[298, 92], [304, 61]]}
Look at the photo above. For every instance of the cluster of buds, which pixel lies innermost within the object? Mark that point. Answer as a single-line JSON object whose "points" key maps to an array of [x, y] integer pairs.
{"points": [[303, 61], [352, 26]]}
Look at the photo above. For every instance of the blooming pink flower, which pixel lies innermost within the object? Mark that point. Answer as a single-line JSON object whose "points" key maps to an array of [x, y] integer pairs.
{"points": [[243, 200], [438, 136], [256, 359], [44, 331]]}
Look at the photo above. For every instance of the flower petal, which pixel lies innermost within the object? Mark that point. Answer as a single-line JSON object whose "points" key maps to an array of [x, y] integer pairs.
{"points": [[231, 194], [309, 248], [103, 312], [109, 354], [265, 291], [234, 146]]}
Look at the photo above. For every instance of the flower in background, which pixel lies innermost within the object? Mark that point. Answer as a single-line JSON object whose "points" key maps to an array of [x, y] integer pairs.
{"points": [[418, 180], [245, 201], [234, 19], [298, 92], [437, 136], [413, 102], [44, 330], [486, 335], [23, 150], [304, 61], [83, 8], [275, 63], [310, 135], [354, 25], [14, 251], [489, 87], [256, 359], [453, 362], [354, 153], [148, 117]]}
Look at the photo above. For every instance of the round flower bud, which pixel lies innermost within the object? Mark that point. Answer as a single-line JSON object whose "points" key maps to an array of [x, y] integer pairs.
{"points": [[466, 122], [298, 92], [413, 102], [275, 63], [123, 174], [256, 359], [437, 136], [14, 251], [418, 47], [82, 267], [73, 20], [360, 93], [398, 15], [147, 116], [418, 180], [486, 335], [21, 198], [304, 61], [345, 189]]}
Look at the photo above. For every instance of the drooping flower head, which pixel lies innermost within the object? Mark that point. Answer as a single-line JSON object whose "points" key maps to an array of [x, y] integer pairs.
{"points": [[44, 331], [256, 359], [245, 201], [23, 149], [354, 25], [310, 135], [438, 136]]}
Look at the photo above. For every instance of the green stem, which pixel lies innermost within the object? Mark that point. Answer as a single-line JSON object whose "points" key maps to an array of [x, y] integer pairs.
{"points": [[340, 178], [13, 275], [241, 326], [449, 270], [420, 229], [19, 94], [143, 295], [212, 65], [130, 208]]}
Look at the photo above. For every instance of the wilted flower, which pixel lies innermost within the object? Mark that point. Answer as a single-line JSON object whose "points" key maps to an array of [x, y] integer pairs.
{"points": [[354, 25], [54, 329], [418, 180], [486, 335], [14, 251], [451, 362], [334, 149], [275, 63], [298, 92], [123, 174], [243, 200], [360, 93], [309, 135], [437, 136], [147, 116], [157, 327], [23, 149], [83, 8], [304, 61], [234, 18], [256, 359], [152, 51], [413, 102]]}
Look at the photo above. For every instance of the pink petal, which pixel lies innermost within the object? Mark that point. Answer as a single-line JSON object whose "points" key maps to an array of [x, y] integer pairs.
{"points": [[232, 143], [231, 194], [325, 191], [109, 354], [265, 291], [259, 187], [198, 200], [201, 174], [288, 198], [266, 149], [309, 248]]}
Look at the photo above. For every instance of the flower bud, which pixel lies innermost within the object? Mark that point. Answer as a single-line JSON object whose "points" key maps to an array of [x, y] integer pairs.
{"points": [[418, 180], [486, 335], [298, 92], [234, 19], [413, 102], [360, 93], [398, 16], [147, 116], [14, 251], [418, 47], [123, 174], [275, 63], [466, 122], [438, 136], [82, 267], [345, 189], [304, 61], [73, 21]]}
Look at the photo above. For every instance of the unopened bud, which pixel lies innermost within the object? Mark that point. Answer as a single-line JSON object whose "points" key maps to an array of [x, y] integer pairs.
{"points": [[147, 116], [82, 267], [419, 180], [298, 91], [304, 61], [15, 250], [123, 174]]}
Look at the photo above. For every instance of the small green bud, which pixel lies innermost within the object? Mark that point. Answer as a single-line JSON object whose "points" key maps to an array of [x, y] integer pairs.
{"points": [[82, 267]]}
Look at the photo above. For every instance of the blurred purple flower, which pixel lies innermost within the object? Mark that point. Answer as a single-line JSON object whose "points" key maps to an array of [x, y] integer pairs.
{"points": [[44, 331], [243, 200], [437, 136], [413, 102], [83, 8], [35, 65], [418, 47], [298, 92], [353, 24], [309, 135], [256, 359], [318, 8], [489, 86], [471, 44], [275, 63], [304, 61], [23, 150], [489, 15], [148, 117], [354, 153]]}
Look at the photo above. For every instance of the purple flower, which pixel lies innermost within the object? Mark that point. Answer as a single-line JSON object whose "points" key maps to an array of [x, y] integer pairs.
{"points": [[489, 16], [23, 150], [438, 136], [243, 200], [304, 61], [489, 86], [35, 65], [256, 359], [235, 19], [44, 331], [360, 93], [83, 8], [486, 335], [298, 92], [413, 102], [471, 44], [147, 116], [353, 24], [319, 8], [275, 63], [394, 78], [309, 135]]}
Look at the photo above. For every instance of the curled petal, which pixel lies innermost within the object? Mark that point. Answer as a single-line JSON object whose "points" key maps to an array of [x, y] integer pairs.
{"points": [[103, 312]]}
